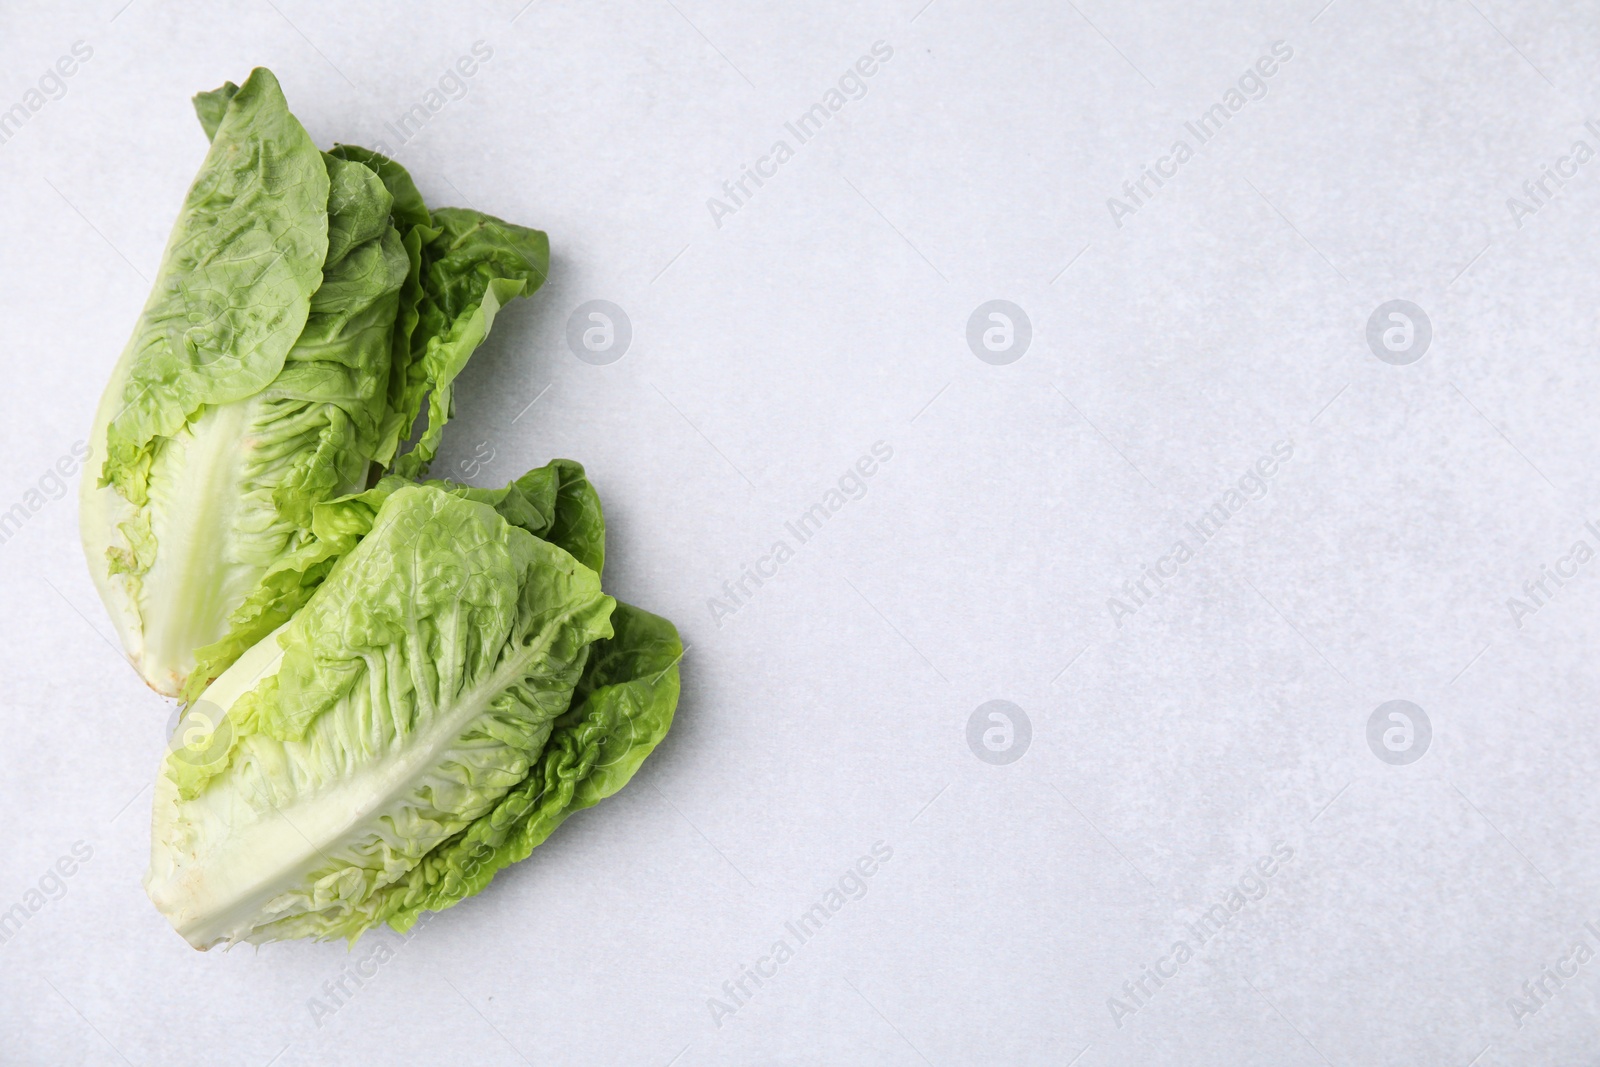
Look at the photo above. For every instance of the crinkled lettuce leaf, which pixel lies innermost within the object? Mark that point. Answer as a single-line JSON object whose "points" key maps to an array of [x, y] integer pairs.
{"points": [[466, 266], [234, 287], [619, 709], [416, 688], [211, 106], [227, 493], [417, 230], [307, 308], [622, 709], [472, 267]]}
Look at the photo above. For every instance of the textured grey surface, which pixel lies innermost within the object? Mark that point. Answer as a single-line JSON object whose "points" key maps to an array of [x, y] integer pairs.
{"points": [[1225, 718]]}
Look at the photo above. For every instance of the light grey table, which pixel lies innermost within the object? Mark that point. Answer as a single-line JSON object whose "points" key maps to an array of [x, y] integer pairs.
{"points": [[1195, 350]]}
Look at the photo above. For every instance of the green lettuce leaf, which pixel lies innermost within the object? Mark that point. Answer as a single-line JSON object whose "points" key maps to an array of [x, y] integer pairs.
{"points": [[308, 306], [232, 295], [222, 496], [466, 265], [417, 230], [418, 686], [234, 288], [621, 710], [409, 210], [471, 269], [211, 106]]}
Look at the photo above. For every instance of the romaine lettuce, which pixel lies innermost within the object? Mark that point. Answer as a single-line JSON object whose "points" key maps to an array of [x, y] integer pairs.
{"points": [[451, 690], [307, 307]]}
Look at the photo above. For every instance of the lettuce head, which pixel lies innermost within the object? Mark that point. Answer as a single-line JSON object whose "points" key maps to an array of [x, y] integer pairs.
{"points": [[449, 686], [308, 309]]}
